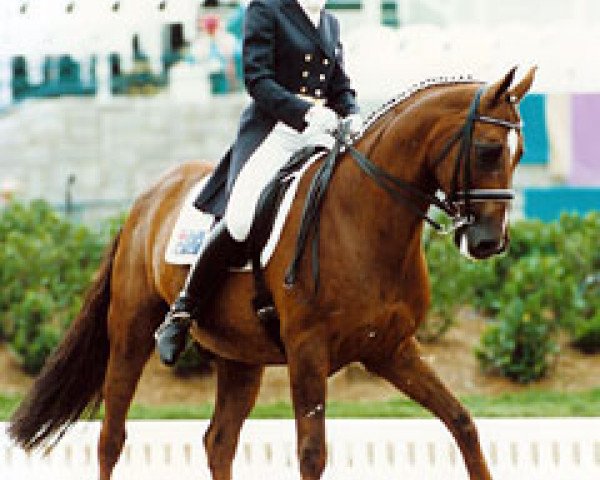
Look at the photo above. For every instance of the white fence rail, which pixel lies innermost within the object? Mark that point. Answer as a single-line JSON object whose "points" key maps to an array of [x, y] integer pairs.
{"points": [[540, 449]]}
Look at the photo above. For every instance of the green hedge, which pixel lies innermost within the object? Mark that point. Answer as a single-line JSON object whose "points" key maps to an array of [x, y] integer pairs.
{"points": [[549, 281], [47, 264]]}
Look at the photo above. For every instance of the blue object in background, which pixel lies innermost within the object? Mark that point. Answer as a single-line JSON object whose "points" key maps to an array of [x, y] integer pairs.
{"points": [[235, 26], [535, 131], [548, 203], [235, 22]]}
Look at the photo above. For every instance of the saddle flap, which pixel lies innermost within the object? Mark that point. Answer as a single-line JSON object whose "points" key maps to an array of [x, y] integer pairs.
{"points": [[192, 225]]}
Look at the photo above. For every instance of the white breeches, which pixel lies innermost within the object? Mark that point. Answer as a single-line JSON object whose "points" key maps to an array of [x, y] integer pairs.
{"points": [[267, 159]]}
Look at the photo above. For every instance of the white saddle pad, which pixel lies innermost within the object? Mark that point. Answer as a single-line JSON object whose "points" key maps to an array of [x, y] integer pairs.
{"points": [[192, 225]]}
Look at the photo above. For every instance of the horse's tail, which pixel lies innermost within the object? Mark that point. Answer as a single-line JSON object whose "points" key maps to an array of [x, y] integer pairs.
{"points": [[72, 378]]}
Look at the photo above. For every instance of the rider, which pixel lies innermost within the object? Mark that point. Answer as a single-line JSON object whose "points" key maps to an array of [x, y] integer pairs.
{"points": [[294, 72]]}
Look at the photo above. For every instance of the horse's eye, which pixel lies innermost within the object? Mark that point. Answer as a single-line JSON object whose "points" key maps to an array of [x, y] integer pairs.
{"points": [[488, 155]]}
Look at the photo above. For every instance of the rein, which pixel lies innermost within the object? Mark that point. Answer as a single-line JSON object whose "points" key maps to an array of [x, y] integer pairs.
{"points": [[399, 189]]}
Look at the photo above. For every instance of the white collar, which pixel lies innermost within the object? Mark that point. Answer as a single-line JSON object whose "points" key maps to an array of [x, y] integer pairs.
{"points": [[314, 17]]}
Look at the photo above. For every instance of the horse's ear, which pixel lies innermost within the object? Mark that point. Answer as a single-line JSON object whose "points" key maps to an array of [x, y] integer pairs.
{"points": [[517, 93], [496, 91]]}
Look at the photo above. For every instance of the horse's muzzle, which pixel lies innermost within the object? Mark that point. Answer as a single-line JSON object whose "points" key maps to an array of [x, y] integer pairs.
{"points": [[482, 239]]}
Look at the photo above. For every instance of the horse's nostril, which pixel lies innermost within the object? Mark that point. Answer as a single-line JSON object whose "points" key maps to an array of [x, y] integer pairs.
{"points": [[489, 246]]}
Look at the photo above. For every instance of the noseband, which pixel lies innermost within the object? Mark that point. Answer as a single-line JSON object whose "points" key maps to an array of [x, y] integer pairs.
{"points": [[458, 197]]}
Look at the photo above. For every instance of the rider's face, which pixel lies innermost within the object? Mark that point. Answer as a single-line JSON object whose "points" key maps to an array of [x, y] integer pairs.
{"points": [[314, 5]]}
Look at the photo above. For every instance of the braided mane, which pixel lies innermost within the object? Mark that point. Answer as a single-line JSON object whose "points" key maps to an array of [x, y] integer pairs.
{"points": [[406, 94]]}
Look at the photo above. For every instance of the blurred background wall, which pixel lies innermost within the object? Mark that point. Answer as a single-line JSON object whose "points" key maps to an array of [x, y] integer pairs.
{"points": [[99, 97]]}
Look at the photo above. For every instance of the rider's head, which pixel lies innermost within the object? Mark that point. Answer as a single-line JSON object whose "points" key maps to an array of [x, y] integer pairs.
{"points": [[313, 5], [210, 24]]}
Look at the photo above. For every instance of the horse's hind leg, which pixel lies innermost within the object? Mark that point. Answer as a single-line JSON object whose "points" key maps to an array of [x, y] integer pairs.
{"points": [[131, 343], [237, 388], [408, 372]]}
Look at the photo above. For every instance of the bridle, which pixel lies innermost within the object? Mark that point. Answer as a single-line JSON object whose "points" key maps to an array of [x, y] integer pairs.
{"points": [[400, 190], [450, 204]]}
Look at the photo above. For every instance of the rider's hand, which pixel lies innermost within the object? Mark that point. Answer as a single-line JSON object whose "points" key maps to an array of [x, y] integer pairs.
{"points": [[322, 119], [355, 123]]}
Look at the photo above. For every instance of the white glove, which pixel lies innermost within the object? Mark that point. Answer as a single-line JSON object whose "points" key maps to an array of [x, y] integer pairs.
{"points": [[321, 119], [355, 123]]}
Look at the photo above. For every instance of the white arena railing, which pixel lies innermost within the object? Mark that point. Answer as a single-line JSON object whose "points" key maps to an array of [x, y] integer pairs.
{"points": [[516, 449]]}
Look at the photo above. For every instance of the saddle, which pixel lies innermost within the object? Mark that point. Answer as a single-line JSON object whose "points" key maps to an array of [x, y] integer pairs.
{"points": [[272, 208]]}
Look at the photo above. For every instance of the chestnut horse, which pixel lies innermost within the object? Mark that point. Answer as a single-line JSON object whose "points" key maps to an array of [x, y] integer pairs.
{"points": [[374, 289]]}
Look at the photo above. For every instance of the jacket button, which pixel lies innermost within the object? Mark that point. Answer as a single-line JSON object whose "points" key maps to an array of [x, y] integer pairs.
{"points": [[305, 74], [318, 92], [322, 77], [325, 61], [308, 57]]}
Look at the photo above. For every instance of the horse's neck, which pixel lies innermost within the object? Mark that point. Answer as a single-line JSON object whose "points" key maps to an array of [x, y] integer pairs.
{"points": [[398, 146], [390, 232]]}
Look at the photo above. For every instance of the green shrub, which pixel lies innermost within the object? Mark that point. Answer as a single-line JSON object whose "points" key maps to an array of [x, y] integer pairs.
{"points": [[532, 237], [548, 266], [520, 345], [47, 264], [586, 331], [578, 243], [528, 239], [446, 285], [549, 272], [546, 281], [578, 249], [586, 336], [455, 282], [37, 329], [537, 296]]}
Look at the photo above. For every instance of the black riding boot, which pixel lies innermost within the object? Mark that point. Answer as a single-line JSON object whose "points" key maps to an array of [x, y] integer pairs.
{"points": [[219, 252]]}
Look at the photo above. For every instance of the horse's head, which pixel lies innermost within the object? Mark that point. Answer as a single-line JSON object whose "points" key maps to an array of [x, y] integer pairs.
{"points": [[481, 144]]}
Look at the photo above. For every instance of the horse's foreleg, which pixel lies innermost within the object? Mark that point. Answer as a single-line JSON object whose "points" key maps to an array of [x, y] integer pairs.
{"points": [[308, 362], [237, 388], [131, 344], [409, 373]]}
